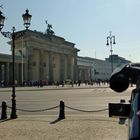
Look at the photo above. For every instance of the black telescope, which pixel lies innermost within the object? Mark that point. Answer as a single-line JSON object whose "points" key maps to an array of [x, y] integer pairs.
{"points": [[122, 76]]}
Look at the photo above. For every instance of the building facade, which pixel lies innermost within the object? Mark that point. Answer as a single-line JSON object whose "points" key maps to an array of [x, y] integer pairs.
{"points": [[91, 69], [84, 68], [6, 68], [43, 57], [117, 60]]}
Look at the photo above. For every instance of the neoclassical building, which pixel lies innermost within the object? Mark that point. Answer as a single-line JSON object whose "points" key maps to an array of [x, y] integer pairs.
{"points": [[97, 69], [6, 68], [41, 56]]}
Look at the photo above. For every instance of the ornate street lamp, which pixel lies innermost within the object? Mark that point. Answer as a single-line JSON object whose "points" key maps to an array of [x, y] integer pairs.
{"points": [[12, 35], [2, 19], [27, 19], [110, 41]]}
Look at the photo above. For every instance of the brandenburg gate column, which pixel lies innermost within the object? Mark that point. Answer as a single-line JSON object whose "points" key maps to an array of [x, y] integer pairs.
{"points": [[25, 71], [7, 71], [72, 67], [2, 71], [41, 64], [75, 71], [69, 67], [62, 67], [50, 67], [29, 66], [46, 65]]}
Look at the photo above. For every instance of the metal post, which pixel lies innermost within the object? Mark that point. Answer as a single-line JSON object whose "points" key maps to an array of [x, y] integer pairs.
{"points": [[27, 19], [62, 111], [111, 51], [110, 40], [13, 112], [4, 111]]}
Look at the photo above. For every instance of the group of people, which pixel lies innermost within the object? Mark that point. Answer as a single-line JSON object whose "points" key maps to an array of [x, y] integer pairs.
{"points": [[38, 83], [41, 83], [5, 84], [80, 82]]}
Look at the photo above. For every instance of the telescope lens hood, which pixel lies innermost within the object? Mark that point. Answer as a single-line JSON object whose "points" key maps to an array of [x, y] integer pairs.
{"points": [[119, 82]]}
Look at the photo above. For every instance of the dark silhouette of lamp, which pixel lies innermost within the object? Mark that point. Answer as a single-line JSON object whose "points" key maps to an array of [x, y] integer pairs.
{"points": [[12, 35]]}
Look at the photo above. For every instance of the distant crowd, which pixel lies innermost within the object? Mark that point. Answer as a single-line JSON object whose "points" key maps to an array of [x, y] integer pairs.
{"points": [[41, 83]]}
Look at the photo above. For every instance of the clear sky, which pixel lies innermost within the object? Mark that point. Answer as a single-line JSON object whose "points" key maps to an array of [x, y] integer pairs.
{"points": [[84, 22]]}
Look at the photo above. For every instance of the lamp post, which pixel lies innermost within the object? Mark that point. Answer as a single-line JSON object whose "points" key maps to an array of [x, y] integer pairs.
{"points": [[13, 35], [110, 41]]}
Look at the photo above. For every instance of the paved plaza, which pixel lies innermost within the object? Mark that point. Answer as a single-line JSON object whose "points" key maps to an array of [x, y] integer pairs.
{"points": [[78, 125]]}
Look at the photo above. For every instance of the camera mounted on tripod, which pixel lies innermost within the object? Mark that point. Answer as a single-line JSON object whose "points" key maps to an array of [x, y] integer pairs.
{"points": [[119, 82]]}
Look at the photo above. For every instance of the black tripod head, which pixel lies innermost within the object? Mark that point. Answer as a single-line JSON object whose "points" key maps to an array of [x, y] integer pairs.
{"points": [[122, 76]]}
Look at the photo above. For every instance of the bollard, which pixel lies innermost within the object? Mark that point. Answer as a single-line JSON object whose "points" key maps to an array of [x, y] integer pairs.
{"points": [[122, 119], [62, 111], [4, 111]]}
